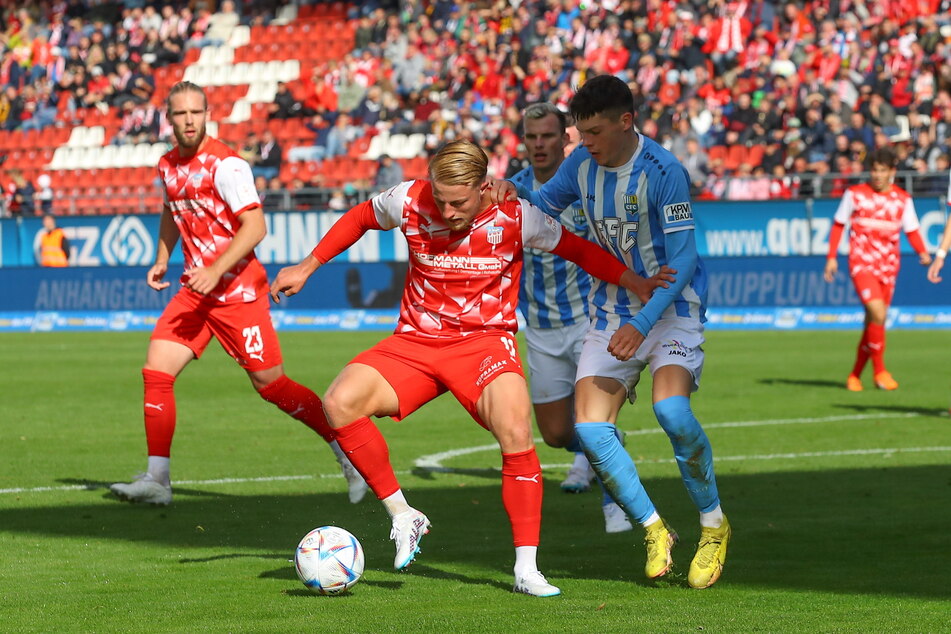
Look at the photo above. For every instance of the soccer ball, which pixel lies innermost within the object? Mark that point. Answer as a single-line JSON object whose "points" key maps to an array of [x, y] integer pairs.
{"points": [[329, 560]]}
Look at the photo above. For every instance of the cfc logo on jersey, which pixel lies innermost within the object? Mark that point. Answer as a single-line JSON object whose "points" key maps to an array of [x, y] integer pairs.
{"points": [[630, 204], [678, 212]]}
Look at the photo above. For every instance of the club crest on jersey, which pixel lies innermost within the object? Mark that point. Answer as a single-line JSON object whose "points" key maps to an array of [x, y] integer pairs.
{"points": [[493, 235], [630, 204], [196, 179], [578, 217], [678, 212]]}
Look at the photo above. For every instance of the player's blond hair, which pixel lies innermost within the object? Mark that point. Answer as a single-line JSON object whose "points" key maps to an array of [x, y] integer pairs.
{"points": [[185, 86], [460, 162]]}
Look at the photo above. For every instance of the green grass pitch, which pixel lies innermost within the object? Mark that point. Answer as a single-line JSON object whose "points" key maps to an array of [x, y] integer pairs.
{"points": [[839, 501]]}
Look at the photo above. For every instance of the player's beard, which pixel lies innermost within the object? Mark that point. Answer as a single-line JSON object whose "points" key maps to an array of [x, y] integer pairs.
{"points": [[190, 143]]}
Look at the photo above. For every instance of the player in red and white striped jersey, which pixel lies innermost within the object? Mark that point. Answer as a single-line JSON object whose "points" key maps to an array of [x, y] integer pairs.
{"points": [[456, 333], [211, 203], [877, 211]]}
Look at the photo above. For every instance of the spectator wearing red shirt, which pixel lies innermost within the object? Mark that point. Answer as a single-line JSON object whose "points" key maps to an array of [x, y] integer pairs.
{"points": [[727, 39]]}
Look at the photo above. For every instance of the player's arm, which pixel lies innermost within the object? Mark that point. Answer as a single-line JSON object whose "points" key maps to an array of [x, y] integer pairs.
{"points": [[909, 221], [561, 190], [544, 232], [604, 266], [341, 236], [168, 238], [842, 215], [235, 184], [940, 254], [680, 245]]}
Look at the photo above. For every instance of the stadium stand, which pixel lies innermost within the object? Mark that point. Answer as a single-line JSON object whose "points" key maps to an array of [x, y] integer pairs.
{"points": [[760, 84]]}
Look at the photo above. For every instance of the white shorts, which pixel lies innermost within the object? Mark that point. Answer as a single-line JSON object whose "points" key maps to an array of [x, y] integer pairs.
{"points": [[674, 341], [553, 355]]}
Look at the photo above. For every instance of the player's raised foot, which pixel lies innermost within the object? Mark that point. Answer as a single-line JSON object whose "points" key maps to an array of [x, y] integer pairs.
{"points": [[535, 584], [853, 383], [659, 539], [578, 479], [408, 530], [615, 519], [356, 485], [885, 381], [707, 564], [143, 490]]}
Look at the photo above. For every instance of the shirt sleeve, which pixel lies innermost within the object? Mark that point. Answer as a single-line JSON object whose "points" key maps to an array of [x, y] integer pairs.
{"points": [[388, 205], [673, 200], [909, 218], [682, 257], [235, 184], [539, 230], [846, 207], [561, 190], [346, 231]]}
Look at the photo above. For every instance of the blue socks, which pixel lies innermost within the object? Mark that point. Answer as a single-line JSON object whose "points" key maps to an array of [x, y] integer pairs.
{"points": [[615, 468], [692, 450]]}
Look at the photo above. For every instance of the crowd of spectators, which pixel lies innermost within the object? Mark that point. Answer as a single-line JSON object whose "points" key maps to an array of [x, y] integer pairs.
{"points": [[756, 97]]}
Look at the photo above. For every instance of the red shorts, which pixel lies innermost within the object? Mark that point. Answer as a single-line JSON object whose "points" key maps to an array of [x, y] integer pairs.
{"points": [[244, 330], [422, 368], [870, 287]]}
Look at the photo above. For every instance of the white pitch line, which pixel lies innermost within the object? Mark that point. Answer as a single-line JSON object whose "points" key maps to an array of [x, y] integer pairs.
{"points": [[433, 462]]}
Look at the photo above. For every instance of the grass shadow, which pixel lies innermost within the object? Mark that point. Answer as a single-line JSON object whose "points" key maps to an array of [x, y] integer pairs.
{"points": [[839, 385], [837, 531]]}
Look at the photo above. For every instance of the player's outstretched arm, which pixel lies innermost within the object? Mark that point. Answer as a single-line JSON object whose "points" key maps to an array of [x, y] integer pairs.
{"points": [[168, 237], [342, 235], [940, 254], [291, 279]]}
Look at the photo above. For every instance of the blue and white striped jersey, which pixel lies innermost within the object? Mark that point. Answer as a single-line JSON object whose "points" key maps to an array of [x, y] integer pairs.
{"points": [[554, 291], [641, 213]]}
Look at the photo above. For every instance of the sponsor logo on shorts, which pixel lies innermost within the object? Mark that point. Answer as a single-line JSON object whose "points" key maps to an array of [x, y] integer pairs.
{"points": [[676, 348], [488, 370], [485, 363], [678, 212]]}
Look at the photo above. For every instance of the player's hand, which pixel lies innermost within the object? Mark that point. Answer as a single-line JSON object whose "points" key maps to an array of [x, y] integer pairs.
{"points": [[290, 280], [499, 190], [155, 277], [625, 342], [934, 270], [644, 287], [832, 267], [924, 259], [202, 279]]}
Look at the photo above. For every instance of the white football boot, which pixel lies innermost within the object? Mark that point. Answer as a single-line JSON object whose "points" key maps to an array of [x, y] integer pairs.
{"points": [[143, 490], [535, 584], [579, 478], [408, 530], [615, 519], [356, 485]]}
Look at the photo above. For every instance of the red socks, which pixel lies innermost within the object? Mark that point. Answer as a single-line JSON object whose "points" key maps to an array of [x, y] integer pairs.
{"points": [[861, 355], [364, 445], [298, 402], [159, 410], [876, 346], [522, 495]]}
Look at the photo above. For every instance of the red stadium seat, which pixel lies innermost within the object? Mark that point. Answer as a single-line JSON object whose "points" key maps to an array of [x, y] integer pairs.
{"points": [[736, 155]]}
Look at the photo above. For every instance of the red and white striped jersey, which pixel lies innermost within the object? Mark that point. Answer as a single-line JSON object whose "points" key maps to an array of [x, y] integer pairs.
{"points": [[876, 219], [206, 193], [461, 282]]}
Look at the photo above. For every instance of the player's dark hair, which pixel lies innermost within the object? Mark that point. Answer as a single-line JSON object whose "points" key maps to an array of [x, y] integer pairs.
{"points": [[603, 94], [543, 109], [185, 86], [885, 156]]}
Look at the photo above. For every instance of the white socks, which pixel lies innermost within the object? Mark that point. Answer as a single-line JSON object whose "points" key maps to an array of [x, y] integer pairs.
{"points": [[396, 503], [713, 519], [158, 469], [525, 560], [650, 520]]}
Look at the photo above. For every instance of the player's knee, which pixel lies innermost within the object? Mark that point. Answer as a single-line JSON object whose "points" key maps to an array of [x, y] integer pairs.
{"points": [[557, 438], [677, 419]]}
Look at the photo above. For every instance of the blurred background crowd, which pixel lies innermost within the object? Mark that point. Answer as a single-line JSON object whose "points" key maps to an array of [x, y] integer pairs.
{"points": [[759, 99]]}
